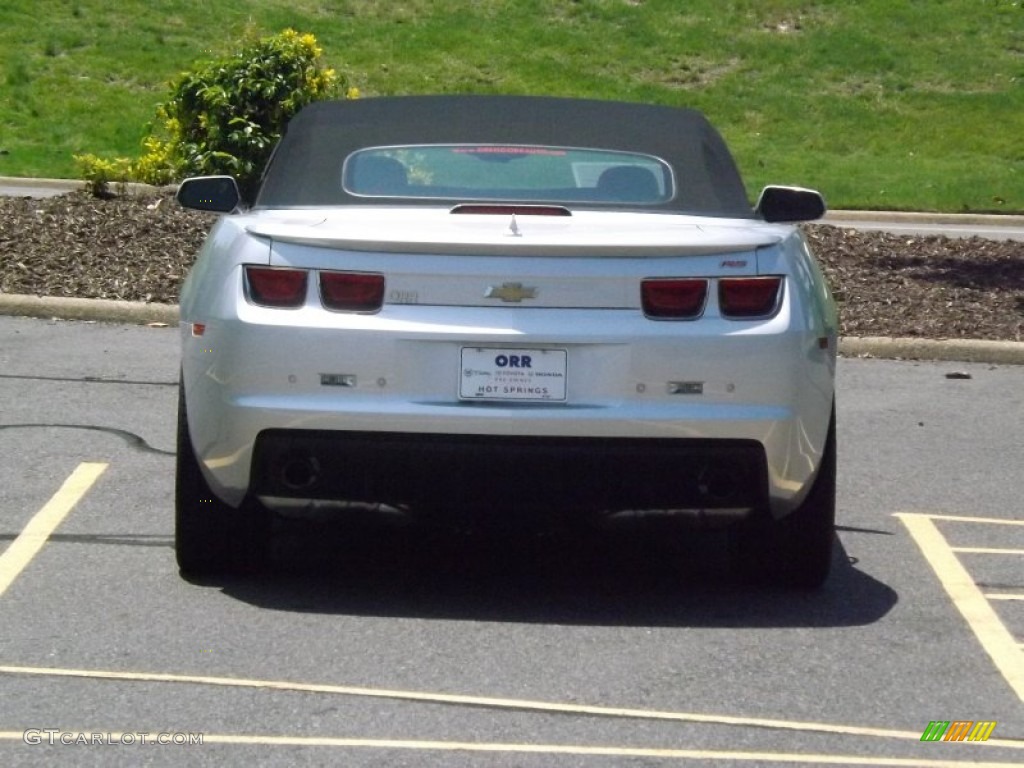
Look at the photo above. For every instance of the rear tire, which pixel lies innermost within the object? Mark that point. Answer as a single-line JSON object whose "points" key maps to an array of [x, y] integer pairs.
{"points": [[795, 551], [210, 537]]}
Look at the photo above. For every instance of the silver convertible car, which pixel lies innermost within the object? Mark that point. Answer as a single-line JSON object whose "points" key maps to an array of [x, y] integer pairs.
{"points": [[507, 308]]}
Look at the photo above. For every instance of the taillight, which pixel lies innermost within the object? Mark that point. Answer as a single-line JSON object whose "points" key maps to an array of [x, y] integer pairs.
{"points": [[276, 287], [748, 296], [352, 291], [679, 298]]}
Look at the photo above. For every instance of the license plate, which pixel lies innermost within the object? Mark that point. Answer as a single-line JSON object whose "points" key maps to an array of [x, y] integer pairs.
{"points": [[512, 374]]}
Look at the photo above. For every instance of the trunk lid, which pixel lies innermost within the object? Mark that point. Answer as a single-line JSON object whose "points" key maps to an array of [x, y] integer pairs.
{"points": [[591, 259]]}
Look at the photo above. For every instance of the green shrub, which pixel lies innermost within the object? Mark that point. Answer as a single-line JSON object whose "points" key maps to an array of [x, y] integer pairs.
{"points": [[99, 173], [226, 115]]}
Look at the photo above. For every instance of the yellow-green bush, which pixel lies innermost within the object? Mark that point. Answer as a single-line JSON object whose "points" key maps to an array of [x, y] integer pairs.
{"points": [[99, 173], [226, 115]]}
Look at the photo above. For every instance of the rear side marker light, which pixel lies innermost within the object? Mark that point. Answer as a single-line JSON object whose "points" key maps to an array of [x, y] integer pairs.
{"points": [[352, 291], [742, 297], [276, 287], [677, 299]]}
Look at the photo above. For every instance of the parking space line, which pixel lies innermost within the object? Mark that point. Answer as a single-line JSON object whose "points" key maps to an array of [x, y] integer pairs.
{"points": [[988, 551], [993, 635], [32, 538], [486, 702], [547, 749], [965, 519]]}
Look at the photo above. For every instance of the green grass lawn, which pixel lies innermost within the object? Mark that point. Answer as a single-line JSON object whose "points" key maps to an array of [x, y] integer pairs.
{"points": [[894, 104]]}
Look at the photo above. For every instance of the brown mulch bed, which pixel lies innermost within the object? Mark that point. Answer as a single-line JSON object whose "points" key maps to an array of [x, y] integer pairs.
{"points": [[139, 248], [926, 287]]}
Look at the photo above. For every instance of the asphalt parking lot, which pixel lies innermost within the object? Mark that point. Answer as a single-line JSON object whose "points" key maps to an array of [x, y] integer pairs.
{"points": [[372, 644]]}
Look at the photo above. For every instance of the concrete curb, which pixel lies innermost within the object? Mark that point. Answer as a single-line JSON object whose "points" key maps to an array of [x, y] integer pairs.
{"points": [[100, 310], [142, 313], [52, 187], [58, 185], [949, 350], [909, 218]]}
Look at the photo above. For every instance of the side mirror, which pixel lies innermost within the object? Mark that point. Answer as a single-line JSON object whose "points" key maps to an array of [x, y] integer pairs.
{"points": [[790, 204], [218, 194]]}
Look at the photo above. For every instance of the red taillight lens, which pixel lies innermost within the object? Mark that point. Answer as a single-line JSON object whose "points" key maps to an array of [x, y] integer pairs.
{"points": [[276, 287], [352, 291], [674, 298], [748, 296]]}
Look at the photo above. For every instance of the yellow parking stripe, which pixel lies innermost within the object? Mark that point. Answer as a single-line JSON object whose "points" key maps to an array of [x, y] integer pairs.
{"points": [[964, 519], [487, 702], [707, 755], [993, 635], [988, 551], [34, 535]]}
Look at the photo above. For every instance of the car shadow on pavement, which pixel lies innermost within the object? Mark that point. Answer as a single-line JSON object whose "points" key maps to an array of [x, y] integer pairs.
{"points": [[635, 574]]}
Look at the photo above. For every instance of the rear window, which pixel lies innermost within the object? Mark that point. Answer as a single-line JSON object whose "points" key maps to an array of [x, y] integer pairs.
{"points": [[508, 173]]}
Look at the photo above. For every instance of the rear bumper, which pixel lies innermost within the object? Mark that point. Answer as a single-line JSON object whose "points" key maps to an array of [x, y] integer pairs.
{"points": [[491, 474], [256, 391]]}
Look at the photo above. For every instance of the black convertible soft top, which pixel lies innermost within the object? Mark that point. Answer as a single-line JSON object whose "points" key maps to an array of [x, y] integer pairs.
{"points": [[306, 167]]}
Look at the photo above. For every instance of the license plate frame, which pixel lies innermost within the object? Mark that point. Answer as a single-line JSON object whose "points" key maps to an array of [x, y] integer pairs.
{"points": [[501, 374]]}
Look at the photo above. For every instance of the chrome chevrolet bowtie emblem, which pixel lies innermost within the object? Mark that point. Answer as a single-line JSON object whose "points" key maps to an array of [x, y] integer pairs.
{"points": [[515, 292]]}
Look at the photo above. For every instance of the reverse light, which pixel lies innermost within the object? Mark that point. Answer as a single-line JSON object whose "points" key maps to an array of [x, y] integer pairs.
{"points": [[352, 291], [743, 297], [276, 287], [674, 298]]}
